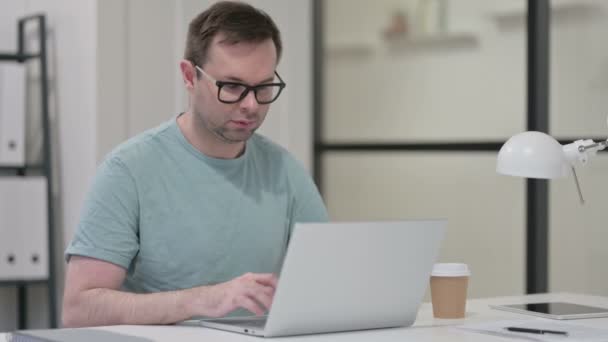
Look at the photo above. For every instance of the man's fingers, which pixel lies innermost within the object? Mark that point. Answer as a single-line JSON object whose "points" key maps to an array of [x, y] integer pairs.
{"points": [[263, 298], [267, 279], [261, 294], [251, 305], [254, 292], [269, 291]]}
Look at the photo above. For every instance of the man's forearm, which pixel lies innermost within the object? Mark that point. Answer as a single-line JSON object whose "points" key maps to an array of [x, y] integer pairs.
{"points": [[96, 307], [104, 306]]}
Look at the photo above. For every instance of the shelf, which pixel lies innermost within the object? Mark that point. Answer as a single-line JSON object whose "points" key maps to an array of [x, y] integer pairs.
{"points": [[438, 40], [16, 57], [11, 283], [557, 8], [350, 47], [22, 168]]}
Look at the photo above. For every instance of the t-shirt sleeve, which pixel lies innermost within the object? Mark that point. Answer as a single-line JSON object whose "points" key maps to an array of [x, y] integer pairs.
{"points": [[307, 203], [108, 227]]}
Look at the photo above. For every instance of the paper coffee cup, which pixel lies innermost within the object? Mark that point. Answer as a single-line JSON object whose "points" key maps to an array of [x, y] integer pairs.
{"points": [[449, 283]]}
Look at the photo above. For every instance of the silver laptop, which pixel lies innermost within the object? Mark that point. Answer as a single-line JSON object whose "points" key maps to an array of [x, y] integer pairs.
{"points": [[347, 276]]}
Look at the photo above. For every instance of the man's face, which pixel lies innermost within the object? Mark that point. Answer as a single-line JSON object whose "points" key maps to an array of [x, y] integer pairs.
{"points": [[245, 62]]}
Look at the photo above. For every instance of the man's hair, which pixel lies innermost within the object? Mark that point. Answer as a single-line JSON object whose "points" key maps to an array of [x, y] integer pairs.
{"points": [[237, 21]]}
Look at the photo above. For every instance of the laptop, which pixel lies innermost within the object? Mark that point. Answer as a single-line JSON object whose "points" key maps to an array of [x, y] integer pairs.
{"points": [[346, 276]]}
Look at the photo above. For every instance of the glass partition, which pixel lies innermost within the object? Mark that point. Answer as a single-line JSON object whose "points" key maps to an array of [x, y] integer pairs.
{"points": [[485, 211], [417, 98]]}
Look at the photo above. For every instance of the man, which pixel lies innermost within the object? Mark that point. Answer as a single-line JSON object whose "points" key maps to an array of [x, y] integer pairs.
{"points": [[192, 218]]}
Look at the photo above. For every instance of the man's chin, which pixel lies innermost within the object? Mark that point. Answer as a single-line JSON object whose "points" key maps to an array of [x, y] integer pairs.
{"points": [[236, 137]]}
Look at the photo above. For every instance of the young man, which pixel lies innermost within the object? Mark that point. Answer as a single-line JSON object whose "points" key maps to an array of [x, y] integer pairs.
{"points": [[192, 218]]}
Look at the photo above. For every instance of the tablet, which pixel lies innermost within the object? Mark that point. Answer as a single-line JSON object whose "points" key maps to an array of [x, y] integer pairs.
{"points": [[555, 310]]}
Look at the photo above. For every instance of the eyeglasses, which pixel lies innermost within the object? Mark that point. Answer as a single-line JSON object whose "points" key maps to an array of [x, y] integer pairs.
{"points": [[233, 92]]}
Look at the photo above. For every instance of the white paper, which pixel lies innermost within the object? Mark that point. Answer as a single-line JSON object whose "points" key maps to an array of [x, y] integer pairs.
{"points": [[576, 332]]}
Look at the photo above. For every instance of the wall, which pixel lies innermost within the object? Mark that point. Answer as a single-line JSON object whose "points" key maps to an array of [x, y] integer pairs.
{"points": [[72, 48], [112, 75], [137, 72]]}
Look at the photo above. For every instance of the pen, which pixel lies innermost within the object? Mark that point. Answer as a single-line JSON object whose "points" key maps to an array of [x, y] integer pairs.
{"points": [[536, 331]]}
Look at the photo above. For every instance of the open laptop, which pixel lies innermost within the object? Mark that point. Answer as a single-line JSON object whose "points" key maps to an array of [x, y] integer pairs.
{"points": [[347, 276]]}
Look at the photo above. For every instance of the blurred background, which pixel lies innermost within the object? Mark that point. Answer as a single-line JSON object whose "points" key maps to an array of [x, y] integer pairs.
{"points": [[396, 107]]}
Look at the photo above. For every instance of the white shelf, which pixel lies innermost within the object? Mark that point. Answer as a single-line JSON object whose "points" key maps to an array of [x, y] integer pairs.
{"points": [[447, 40], [359, 47], [556, 8], [429, 40]]}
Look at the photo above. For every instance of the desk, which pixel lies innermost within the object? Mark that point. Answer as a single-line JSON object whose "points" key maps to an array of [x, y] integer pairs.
{"points": [[426, 327]]}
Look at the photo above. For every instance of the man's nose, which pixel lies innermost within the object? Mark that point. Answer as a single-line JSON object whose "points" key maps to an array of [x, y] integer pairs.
{"points": [[249, 102]]}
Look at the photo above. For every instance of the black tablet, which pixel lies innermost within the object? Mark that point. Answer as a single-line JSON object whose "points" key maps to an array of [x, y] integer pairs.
{"points": [[555, 310]]}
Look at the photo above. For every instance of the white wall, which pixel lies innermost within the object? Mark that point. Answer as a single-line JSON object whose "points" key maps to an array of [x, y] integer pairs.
{"points": [[112, 75], [72, 49], [137, 71]]}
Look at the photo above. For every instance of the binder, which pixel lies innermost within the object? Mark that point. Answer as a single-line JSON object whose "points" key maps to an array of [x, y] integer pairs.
{"points": [[12, 114], [23, 229]]}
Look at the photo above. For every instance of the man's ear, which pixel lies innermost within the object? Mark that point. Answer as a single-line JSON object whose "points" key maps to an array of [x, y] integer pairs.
{"points": [[188, 73]]}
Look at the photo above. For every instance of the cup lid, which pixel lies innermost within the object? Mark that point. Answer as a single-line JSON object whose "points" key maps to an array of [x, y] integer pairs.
{"points": [[451, 270]]}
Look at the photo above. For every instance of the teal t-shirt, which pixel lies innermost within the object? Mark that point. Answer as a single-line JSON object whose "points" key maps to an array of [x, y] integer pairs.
{"points": [[175, 218]]}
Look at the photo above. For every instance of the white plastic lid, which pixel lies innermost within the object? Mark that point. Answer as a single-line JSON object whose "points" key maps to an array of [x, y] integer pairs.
{"points": [[451, 270]]}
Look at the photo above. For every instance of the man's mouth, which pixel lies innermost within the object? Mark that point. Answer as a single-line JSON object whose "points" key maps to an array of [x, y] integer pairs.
{"points": [[242, 123]]}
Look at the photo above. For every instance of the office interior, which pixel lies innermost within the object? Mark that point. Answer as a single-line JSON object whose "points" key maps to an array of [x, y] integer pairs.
{"points": [[396, 107]]}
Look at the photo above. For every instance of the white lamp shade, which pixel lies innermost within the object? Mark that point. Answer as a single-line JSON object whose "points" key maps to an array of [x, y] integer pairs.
{"points": [[532, 155]]}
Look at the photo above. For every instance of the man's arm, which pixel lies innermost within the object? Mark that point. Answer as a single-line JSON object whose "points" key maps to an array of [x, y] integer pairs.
{"points": [[92, 297]]}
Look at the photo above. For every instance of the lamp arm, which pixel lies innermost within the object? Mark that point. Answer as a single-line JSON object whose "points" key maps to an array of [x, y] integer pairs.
{"points": [[597, 146], [578, 152]]}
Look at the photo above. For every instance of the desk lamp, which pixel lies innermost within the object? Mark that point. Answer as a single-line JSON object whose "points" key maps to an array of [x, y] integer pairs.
{"points": [[538, 155]]}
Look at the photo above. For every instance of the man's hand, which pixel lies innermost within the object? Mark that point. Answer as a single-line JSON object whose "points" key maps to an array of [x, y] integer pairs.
{"points": [[251, 291]]}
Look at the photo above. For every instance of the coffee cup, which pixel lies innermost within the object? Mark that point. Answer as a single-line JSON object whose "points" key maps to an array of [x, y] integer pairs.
{"points": [[449, 282]]}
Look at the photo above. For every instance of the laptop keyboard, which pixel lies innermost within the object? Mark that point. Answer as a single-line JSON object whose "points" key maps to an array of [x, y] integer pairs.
{"points": [[245, 322]]}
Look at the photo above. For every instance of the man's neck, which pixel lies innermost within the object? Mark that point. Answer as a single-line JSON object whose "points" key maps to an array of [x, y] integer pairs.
{"points": [[204, 141]]}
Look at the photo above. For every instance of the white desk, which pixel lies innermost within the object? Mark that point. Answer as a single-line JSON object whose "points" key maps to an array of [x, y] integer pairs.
{"points": [[426, 327]]}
